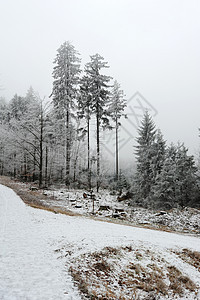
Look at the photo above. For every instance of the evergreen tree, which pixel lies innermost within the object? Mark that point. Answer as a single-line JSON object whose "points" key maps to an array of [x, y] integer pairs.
{"points": [[116, 109], [31, 97], [3, 111], [100, 95], [186, 183], [163, 192], [122, 182], [17, 107], [144, 154], [176, 184], [66, 79], [158, 154]]}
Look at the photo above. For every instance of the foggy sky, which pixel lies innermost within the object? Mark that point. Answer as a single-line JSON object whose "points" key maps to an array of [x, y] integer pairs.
{"points": [[152, 46]]}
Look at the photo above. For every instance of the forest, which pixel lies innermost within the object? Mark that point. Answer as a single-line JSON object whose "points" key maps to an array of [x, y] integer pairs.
{"points": [[48, 141]]}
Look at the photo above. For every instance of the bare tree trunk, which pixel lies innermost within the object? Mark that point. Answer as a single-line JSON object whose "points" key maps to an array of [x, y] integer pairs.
{"points": [[2, 163], [34, 164], [2, 168], [98, 149], [75, 160], [46, 166], [25, 167], [117, 151], [88, 150], [67, 149], [14, 156], [61, 174], [41, 150]]}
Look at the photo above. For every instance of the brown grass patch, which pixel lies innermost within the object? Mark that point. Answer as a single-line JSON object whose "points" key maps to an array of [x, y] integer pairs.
{"points": [[101, 266], [83, 285], [145, 279], [191, 257], [92, 272], [179, 282], [100, 275]]}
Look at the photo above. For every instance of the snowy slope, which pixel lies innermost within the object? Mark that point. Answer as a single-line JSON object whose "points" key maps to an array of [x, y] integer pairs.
{"points": [[28, 267], [32, 241]]}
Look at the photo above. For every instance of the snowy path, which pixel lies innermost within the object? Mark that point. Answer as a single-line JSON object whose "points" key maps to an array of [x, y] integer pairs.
{"points": [[29, 265], [29, 269]]}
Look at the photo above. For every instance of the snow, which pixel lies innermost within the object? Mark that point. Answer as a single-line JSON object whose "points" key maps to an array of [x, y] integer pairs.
{"points": [[35, 246], [28, 267], [186, 220]]}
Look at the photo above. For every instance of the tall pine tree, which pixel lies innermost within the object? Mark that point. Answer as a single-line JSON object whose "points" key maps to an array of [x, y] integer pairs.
{"points": [[99, 90], [116, 109], [85, 112], [144, 154], [176, 184], [64, 94]]}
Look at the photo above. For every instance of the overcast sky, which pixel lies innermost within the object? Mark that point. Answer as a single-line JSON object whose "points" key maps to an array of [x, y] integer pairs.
{"points": [[152, 46]]}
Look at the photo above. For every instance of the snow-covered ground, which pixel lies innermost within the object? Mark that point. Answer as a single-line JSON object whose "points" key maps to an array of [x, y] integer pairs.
{"points": [[38, 248], [107, 206]]}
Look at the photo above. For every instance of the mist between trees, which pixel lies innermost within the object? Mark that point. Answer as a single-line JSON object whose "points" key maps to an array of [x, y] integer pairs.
{"points": [[49, 141]]}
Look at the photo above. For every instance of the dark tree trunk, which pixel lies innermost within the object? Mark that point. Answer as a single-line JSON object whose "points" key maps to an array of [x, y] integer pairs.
{"points": [[2, 164], [14, 165], [25, 168], [117, 151], [67, 181], [34, 164], [75, 160], [41, 151], [88, 150], [98, 149], [46, 166]]}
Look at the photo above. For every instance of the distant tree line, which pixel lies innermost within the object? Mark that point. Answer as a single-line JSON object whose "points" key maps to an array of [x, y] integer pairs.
{"points": [[49, 141]]}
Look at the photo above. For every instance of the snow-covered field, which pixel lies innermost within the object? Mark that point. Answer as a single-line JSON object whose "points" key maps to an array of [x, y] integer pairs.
{"points": [[42, 254], [106, 206]]}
